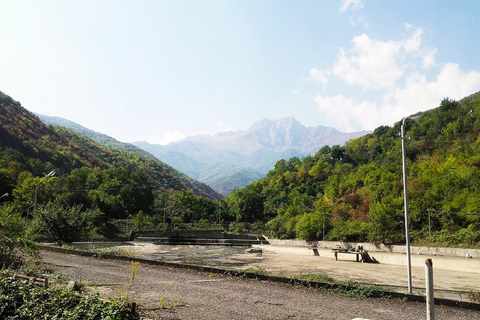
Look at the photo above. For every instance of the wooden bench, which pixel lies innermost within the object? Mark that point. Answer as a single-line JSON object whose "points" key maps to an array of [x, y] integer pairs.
{"points": [[358, 254], [38, 281]]}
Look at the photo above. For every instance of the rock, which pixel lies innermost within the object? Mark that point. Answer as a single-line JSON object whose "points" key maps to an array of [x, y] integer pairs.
{"points": [[71, 285], [253, 250]]}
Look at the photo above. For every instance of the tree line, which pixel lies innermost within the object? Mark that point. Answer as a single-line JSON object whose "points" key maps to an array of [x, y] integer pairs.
{"points": [[352, 192]]}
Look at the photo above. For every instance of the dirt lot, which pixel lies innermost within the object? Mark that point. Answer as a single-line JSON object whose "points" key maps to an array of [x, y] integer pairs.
{"points": [[291, 261], [197, 295]]}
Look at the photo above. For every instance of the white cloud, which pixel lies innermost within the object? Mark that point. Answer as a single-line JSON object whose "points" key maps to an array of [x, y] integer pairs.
{"points": [[429, 59], [403, 75], [351, 4], [416, 95], [375, 65], [419, 95], [348, 113], [166, 138], [370, 64], [319, 75], [355, 22], [221, 127], [414, 43]]}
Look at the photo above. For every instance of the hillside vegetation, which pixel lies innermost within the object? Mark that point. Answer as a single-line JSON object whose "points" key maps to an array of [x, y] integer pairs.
{"points": [[92, 185], [355, 192], [350, 193]]}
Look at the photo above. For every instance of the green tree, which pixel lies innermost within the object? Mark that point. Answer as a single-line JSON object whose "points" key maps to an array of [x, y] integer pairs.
{"points": [[66, 224]]}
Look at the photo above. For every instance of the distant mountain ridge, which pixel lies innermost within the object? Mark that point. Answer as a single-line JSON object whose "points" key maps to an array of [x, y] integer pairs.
{"points": [[101, 138], [215, 160], [61, 148]]}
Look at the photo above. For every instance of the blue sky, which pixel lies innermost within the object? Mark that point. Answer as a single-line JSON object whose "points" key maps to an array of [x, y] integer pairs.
{"points": [[158, 71]]}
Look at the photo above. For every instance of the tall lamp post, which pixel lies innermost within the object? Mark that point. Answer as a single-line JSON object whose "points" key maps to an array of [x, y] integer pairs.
{"points": [[405, 200], [50, 174], [4, 195]]}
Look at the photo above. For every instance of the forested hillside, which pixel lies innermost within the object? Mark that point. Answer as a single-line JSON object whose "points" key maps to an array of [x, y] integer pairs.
{"points": [[355, 192], [87, 175], [100, 138]]}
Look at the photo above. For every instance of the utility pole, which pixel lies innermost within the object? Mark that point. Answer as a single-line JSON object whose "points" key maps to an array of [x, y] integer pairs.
{"points": [[50, 174], [405, 200]]}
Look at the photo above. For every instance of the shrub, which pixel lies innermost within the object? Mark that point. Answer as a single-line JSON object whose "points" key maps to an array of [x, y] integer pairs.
{"points": [[67, 225], [22, 299], [15, 252]]}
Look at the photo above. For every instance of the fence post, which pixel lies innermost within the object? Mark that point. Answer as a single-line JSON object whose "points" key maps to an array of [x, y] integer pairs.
{"points": [[429, 289]]}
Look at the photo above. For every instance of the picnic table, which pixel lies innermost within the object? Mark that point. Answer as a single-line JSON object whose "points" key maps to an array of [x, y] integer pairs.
{"points": [[358, 254]]}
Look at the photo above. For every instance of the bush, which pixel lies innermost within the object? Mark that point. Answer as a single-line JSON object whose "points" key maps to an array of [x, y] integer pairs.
{"points": [[351, 230], [66, 225], [310, 226], [15, 252], [22, 299]]}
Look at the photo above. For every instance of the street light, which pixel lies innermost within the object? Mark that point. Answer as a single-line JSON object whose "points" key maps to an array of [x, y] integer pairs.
{"points": [[50, 174], [4, 195], [405, 200]]}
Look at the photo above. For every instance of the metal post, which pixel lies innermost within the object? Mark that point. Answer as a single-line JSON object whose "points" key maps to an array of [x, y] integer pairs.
{"points": [[429, 226], [405, 199], [35, 200], [323, 220], [50, 174], [429, 289]]}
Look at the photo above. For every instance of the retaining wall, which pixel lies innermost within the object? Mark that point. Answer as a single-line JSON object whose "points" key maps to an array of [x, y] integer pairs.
{"points": [[454, 259]]}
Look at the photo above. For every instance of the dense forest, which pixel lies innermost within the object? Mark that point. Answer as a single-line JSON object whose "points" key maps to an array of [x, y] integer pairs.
{"points": [[352, 192], [355, 192]]}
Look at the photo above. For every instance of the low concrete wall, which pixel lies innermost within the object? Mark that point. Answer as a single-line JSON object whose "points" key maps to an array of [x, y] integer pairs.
{"points": [[453, 259], [372, 247]]}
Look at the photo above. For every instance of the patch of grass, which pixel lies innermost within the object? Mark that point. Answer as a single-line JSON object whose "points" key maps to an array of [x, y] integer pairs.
{"points": [[256, 270], [474, 296], [122, 252], [347, 288], [174, 302], [316, 277], [355, 289], [161, 302]]}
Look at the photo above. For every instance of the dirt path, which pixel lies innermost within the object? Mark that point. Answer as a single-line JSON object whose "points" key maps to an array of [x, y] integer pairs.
{"points": [[206, 296]]}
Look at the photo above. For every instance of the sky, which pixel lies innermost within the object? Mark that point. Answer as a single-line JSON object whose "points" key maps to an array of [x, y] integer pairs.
{"points": [[158, 71]]}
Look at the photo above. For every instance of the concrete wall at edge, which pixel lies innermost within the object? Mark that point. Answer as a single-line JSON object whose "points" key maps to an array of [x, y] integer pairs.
{"points": [[371, 247], [453, 263]]}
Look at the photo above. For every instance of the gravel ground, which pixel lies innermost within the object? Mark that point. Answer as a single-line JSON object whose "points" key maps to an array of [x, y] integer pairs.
{"points": [[206, 296]]}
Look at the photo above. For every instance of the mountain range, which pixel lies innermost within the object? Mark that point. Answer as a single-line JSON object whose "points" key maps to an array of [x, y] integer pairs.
{"points": [[232, 160]]}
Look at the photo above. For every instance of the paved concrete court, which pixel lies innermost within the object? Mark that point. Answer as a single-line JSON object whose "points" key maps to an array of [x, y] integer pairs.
{"points": [[285, 260], [298, 260]]}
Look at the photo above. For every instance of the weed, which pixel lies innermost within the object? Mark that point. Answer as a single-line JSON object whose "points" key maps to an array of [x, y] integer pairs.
{"points": [[134, 267], [256, 270], [78, 286], [161, 302], [172, 303], [473, 296], [347, 288], [316, 277]]}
